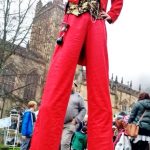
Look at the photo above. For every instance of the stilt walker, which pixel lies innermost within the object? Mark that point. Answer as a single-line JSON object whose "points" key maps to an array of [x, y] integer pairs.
{"points": [[83, 39]]}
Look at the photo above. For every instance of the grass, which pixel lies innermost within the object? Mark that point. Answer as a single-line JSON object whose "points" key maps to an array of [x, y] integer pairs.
{"points": [[2, 147]]}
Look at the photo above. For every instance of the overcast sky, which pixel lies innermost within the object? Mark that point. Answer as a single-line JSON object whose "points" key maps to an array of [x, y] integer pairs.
{"points": [[129, 43]]}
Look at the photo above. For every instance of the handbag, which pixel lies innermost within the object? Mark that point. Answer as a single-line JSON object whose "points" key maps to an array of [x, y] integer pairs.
{"points": [[132, 129]]}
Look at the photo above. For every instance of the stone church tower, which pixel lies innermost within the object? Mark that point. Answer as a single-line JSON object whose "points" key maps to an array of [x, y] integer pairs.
{"points": [[45, 28], [23, 77]]}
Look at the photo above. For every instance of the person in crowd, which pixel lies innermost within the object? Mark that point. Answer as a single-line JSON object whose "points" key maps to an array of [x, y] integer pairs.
{"points": [[79, 139], [82, 123], [21, 112], [121, 120], [28, 121], [141, 109], [82, 40], [120, 123], [74, 116], [114, 130]]}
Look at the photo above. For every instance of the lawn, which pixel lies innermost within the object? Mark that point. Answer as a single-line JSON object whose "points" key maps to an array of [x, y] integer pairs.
{"points": [[2, 147]]}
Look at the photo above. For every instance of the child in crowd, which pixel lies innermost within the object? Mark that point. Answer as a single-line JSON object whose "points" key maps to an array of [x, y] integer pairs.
{"points": [[79, 139], [120, 123], [28, 125]]}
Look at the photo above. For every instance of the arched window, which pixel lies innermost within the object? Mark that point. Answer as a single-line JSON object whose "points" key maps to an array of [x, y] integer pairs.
{"points": [[125, 105], [8, 79], [31, 85]]}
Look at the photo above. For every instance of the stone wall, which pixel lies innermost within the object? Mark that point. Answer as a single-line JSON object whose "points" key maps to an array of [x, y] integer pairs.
{"points": [[22, 66]]}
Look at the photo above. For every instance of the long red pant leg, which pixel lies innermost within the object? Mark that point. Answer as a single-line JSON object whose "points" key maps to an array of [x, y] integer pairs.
{"points": [[99, 106], [57, 90]]}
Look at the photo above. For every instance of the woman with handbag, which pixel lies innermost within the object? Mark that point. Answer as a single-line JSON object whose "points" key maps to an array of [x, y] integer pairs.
{"points": [[140, 114]]}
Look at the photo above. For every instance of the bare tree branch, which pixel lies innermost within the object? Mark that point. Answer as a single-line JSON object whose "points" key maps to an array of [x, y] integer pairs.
{"points": [[21, 19], [14, 31]]}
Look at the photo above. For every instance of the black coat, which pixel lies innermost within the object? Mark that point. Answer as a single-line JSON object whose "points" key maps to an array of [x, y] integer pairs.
{"points": [[140, 107]]}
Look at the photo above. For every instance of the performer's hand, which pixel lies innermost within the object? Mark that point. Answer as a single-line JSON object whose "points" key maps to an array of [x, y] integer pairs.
{"points": [[105, 16], [23, 137]]}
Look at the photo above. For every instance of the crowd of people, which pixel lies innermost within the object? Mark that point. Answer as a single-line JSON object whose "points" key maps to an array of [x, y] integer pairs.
{"points": [[74, 134], [140, 116]]}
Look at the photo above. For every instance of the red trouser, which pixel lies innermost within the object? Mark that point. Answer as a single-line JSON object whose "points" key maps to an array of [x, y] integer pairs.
{"points": [[48, 129]]}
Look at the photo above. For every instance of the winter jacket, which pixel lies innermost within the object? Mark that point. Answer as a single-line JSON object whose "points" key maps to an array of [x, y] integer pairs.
{"points": [[76, 109], [28, 123], [140, 107]]}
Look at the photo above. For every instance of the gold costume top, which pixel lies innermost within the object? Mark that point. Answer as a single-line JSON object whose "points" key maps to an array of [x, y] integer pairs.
{"points": [[91, 6]]}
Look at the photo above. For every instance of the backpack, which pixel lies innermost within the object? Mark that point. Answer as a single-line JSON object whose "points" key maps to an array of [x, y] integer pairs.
{"points": [[78, 141], [20, 121]]}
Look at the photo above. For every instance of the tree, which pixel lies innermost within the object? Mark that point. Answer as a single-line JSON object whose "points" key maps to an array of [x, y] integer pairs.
{"points": [[15, 25]]}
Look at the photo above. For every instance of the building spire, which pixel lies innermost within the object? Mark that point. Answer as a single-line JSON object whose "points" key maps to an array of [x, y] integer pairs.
{"points": [[130, 84], [39, 5], [116, 80], [140, 88], [112, 77], [122, 80]]}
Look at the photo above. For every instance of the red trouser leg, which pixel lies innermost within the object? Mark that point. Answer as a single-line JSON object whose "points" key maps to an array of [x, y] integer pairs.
{"points": [[49, 124], [57, 90], [99, 106]]}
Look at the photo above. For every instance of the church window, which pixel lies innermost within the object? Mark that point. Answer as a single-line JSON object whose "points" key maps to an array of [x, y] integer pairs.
{"points": [[8, 79], [31, 85], [124, 107]]}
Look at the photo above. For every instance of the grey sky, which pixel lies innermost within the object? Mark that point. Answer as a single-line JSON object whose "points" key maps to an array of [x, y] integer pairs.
{"points": [[128, 43]]}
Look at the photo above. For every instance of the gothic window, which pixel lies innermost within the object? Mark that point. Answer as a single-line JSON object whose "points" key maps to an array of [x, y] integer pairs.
{"points": [[8, 79], [124, 108], [125, 105], [31, 85]]}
